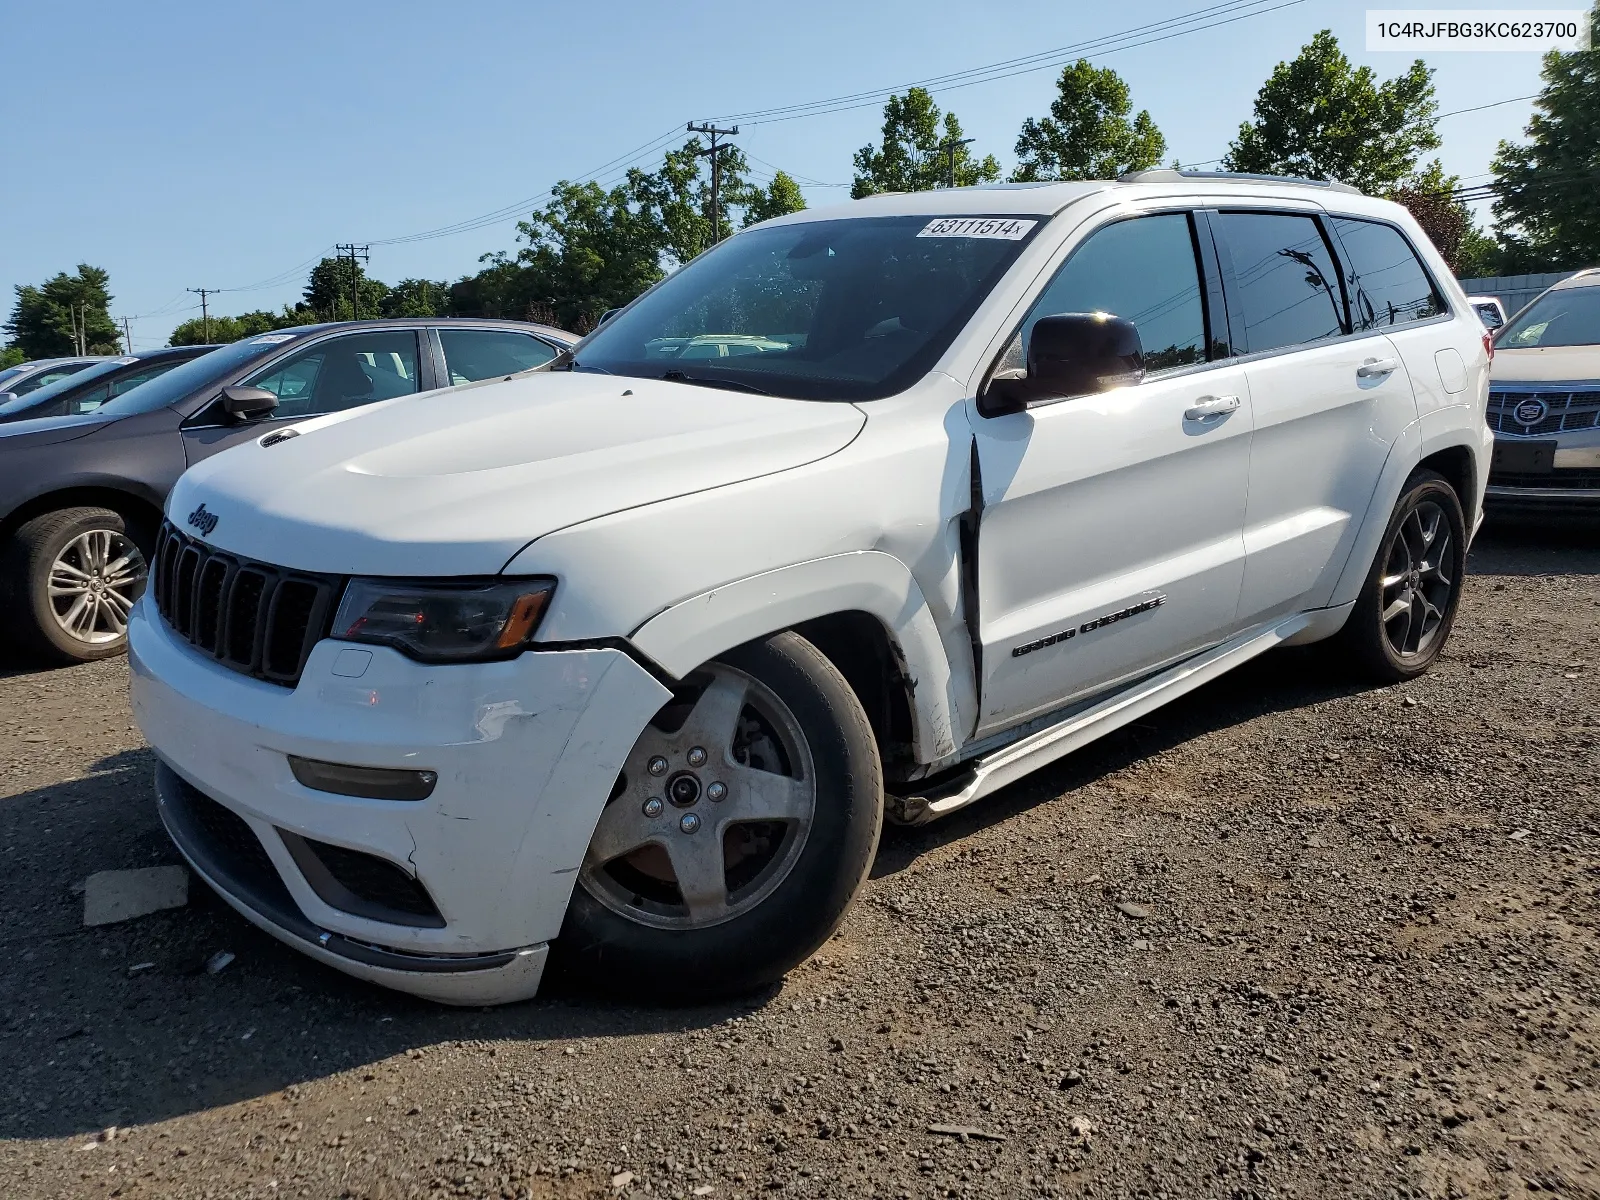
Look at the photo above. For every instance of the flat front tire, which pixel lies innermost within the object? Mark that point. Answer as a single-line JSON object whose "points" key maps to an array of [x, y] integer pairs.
{"points": [[744, 822], [1407, 606], [68, 580]]}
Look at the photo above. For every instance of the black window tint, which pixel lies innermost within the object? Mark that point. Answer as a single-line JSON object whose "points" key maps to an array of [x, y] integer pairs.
{"points": [[343, 372], [1284, 279], [1144, 270], [45, 378], [473, 354], [1386, 282]]}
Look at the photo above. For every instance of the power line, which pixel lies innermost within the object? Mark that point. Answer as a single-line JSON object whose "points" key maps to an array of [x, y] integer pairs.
{"points": [[1143, 35]]}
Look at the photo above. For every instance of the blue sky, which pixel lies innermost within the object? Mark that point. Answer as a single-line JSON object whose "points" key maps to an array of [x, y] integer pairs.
{"points": [[184, 145]]}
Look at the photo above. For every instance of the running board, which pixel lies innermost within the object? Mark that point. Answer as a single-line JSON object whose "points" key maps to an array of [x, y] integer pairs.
{"points": [[1010, 763]]}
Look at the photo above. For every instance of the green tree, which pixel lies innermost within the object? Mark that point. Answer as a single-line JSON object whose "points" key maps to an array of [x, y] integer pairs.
{"points": [[1548, 211], [223, 330], [1318, 117], [329, 287], [47, 321], [12, 356], [779, 197], [1088, 134], [416, 298], [1447, 221], [588, 250], [911, 157], [676, 199]]}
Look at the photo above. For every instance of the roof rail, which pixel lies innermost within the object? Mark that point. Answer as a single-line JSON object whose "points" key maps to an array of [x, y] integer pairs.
{"points": [[1168, 175]]}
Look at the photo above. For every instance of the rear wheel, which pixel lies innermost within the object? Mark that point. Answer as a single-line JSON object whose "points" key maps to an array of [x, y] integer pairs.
{"points": [[1406, 610], [68, 580], [744, 821]]}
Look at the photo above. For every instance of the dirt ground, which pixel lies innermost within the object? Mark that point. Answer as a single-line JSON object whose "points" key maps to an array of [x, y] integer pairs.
{"points": [[1366, 967]]}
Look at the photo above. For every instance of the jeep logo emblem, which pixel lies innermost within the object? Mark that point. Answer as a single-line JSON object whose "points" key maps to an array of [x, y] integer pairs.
{"points": [[202, 520]]}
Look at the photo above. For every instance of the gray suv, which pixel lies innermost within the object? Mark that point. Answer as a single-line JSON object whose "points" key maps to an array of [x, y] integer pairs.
{"points": [[81, 496]]}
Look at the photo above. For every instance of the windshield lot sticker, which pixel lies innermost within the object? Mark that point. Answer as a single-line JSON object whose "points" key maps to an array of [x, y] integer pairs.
{"points": [[1002, 228], [271, 339]]}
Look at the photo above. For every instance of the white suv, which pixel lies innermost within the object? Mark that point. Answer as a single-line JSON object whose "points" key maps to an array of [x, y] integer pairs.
{"points": [[867, 511]]}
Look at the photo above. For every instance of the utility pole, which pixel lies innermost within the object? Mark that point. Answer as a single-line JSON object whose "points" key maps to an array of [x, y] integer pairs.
{"points": [[127, 333], [950, 146], [205, 313], [354, 251], [716, 172]]}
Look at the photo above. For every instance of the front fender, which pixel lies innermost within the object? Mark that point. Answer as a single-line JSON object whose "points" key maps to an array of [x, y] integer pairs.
{"points": [[697, 629]]}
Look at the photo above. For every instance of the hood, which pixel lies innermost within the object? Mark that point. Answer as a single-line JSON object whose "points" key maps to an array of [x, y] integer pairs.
{"points": [[456, 482], [45, 431], [1546, 364]]}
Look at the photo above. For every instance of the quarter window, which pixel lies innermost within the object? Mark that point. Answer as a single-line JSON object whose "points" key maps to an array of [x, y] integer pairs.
{"points": [[473, 354], [343, 372], [1144, 270], [1387, 284], [1284, 278]]}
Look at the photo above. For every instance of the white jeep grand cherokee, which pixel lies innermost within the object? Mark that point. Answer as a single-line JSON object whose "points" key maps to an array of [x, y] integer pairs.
{"points": [[867, 511]]}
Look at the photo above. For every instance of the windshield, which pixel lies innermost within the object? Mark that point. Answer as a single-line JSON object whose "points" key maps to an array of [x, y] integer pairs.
{"points": [[197, 373], [1570, 317], [841, 310], [65, 384]]}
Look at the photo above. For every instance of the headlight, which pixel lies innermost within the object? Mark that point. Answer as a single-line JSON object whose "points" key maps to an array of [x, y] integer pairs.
{"points": [[444, 621]]}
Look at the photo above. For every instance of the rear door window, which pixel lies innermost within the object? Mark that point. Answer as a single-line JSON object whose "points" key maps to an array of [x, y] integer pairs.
{"points": [[1387, 283], [474, 354], [343, 372], [1284, 279]]}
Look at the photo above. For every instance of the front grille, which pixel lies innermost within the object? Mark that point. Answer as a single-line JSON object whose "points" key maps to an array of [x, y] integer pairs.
{"points": [[257, 619], [229, 842], [376, 880], [1565, 411], [1550, 479]]}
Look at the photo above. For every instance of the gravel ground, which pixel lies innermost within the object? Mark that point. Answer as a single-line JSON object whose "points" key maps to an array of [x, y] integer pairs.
{"points": [[1288, 937]]}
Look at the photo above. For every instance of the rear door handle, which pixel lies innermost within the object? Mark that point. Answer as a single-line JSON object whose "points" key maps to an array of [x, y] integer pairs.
{"points": [[1211, 406], [1374, 367]]}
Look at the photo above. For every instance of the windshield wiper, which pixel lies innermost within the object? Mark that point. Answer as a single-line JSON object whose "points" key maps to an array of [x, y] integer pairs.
{"points": [[731, 385]]}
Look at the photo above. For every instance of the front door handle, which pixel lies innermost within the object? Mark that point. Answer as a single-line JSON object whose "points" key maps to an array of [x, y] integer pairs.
{"points": [[1208, 407], [1373, 367]]}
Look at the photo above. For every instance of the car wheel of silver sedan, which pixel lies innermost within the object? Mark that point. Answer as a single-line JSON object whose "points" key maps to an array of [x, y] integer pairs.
{"points": [[743, 822], [70, 580]]}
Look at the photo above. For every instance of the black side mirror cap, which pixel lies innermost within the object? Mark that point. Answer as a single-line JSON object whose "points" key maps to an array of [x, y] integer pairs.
{"points": [[1069, 354], [606, 316], [1078, 354], [248, 403]]}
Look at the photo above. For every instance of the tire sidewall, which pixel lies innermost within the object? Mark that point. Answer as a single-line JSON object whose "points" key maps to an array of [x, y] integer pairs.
{"points": [[1425, 485], [36, 583], [602, 948]]}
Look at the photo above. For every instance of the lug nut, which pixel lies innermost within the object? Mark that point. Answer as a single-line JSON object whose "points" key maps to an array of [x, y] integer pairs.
{"points": [[653, 806], [689, 823], [717, 791], [697, 756], [657, 766]]}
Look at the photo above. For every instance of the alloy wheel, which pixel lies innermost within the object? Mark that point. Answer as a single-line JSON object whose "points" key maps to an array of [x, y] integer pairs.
{"points": [[1418, 580], [711, 811], [93, 584]]}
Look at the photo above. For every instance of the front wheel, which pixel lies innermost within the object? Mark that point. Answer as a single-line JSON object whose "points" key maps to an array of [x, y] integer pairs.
{"points": [[744, 821], [1401, 622], [68, 580]]}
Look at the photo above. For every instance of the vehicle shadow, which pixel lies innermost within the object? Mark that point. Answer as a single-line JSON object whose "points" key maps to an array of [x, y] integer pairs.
{"points": [[1280, 681], [123, 1025], [1524, 546]]}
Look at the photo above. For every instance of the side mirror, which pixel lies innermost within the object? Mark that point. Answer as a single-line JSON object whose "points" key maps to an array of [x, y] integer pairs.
{"points": [[7, 397], [606, 316], [248, 403], [1070, 354]]}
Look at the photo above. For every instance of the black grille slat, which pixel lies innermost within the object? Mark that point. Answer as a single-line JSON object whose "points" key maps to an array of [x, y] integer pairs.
{"points": [[1547, 479], [257, 619], [1566, 411]]}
